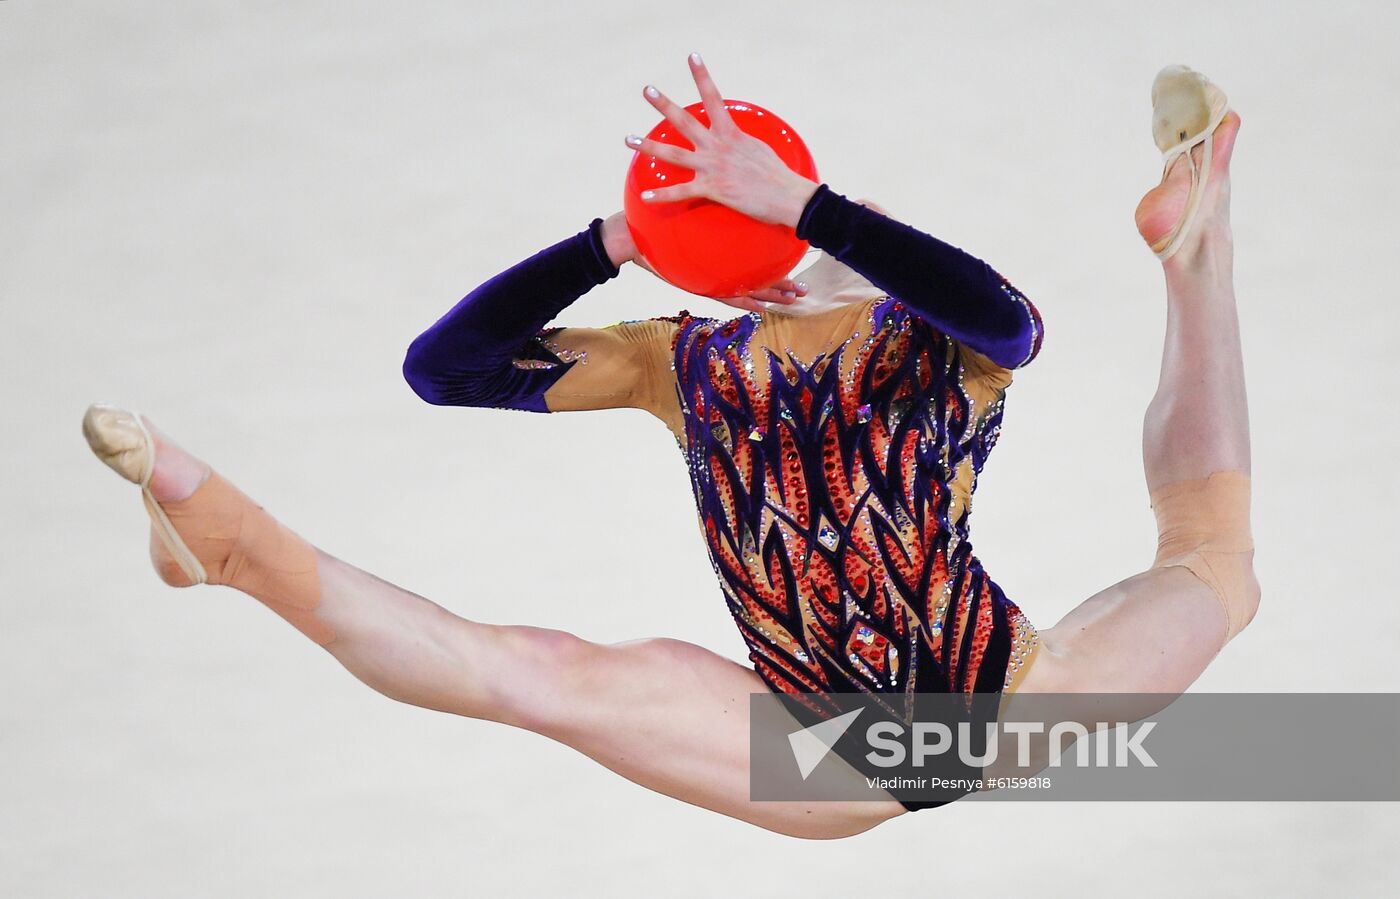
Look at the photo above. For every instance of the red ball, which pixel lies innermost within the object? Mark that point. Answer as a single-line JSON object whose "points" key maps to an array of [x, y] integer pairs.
{"points": [[702, 246]]}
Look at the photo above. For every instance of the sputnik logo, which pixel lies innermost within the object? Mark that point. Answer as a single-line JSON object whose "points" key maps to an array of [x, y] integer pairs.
{"points": [[811, 744]]}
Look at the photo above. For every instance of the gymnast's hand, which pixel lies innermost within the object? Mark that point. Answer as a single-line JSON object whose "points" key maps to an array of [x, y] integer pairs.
{"points": [[731, 167], [621, 248]]}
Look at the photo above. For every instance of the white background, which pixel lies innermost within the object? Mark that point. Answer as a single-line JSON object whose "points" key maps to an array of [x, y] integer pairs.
{"points": [[235, 217]]}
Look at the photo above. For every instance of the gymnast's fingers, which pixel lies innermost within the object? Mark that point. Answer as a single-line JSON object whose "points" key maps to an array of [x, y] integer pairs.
{"points": [[720, 120], [663, 151], [688, 125]]}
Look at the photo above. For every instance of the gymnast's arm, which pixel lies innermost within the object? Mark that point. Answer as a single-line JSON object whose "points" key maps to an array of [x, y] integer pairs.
{"points": [[954, 291], [492, 349]]}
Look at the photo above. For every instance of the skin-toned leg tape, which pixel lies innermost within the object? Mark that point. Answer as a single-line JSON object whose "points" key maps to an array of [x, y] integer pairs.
{"points": [[260, 556], [1203, 526]]}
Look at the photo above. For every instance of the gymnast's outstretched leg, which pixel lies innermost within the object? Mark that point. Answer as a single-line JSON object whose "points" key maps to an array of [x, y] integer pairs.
{"points": [[1156, 631], [666, 714]]}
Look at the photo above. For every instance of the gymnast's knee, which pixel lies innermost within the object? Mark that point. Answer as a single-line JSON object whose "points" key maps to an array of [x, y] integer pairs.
{"points": [[1203, 526]]}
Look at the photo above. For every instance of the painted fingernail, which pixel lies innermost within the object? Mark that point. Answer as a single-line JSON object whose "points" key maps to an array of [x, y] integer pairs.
{"points": [[789, 293], [634, 140], [652, 92], [801, 285], [695, 58], [648, 194]]}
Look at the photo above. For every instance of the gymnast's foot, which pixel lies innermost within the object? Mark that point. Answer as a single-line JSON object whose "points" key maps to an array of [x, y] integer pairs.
{"points": [[117, 439], [231, 538], [1163, 205], [204, 529]]}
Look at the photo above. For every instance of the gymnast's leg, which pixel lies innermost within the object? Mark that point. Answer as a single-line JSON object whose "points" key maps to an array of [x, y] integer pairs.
{"points": [[1156, 631], [665, 714]]}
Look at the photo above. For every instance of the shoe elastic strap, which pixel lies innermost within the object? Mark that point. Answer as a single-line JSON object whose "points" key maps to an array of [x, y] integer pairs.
{"points": [[165, 530], [1193, 198]]}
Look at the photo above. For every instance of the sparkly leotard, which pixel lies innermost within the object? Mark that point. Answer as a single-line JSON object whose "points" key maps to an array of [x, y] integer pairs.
{"points": [[833, 492], [834, 500]]}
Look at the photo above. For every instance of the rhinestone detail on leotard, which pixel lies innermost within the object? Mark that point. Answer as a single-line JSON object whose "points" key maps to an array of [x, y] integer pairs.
{"points": [[833, 528]]}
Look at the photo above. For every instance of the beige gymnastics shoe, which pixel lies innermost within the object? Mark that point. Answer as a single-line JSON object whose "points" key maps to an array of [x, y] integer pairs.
{"points": [[1186, 108], [121, 440]]}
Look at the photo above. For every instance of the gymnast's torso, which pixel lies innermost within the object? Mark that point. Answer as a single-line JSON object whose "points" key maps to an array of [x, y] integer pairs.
{"points": [[833, 492], [833, 452]]}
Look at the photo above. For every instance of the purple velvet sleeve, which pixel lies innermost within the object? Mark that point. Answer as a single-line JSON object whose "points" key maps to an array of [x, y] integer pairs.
{"points": [[954, 291], [467, 358]]}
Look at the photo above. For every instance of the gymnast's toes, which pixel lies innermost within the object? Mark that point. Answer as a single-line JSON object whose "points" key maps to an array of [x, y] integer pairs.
{"points": [[135, 449], [115, 437]]}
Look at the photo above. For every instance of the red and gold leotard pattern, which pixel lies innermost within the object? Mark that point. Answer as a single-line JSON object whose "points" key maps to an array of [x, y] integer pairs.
{"points": [[834, 501]]}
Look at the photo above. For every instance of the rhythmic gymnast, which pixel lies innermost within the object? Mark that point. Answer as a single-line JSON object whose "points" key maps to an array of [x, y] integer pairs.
{"points": [[833, 434]]}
